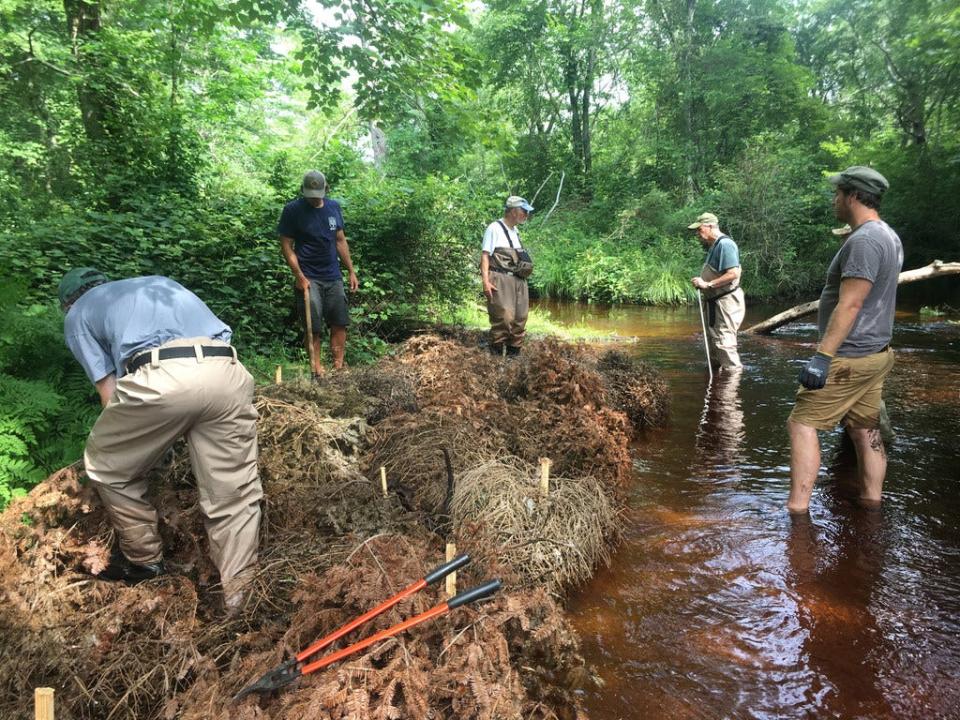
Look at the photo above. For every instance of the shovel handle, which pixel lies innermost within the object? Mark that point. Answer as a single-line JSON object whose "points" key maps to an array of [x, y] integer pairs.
{"points": [[477, 593], [447, 568]]}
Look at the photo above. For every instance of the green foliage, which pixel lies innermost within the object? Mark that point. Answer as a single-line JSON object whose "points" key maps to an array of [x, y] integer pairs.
{"points": [[46, 404], [150, 137], [639, 262]]}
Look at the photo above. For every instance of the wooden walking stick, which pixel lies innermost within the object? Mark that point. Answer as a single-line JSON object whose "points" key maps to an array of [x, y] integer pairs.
{"points": [[308, 312], [703, 325]]}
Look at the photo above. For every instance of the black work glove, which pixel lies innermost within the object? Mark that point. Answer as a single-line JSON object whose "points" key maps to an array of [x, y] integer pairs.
{"points": [[814, 373]]}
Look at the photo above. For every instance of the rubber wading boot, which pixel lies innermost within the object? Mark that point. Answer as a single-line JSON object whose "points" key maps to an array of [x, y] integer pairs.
{"points": [[496, 348], [513, 350], [121, 569]]}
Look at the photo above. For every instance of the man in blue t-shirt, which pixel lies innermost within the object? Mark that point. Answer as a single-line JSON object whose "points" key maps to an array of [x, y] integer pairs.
{"points": [[719, 286], [314, 245]]}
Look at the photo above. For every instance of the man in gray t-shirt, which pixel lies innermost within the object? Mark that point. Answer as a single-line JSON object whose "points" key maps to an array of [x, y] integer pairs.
{"points": [[164, 368], [843, 381], [874, 253]]}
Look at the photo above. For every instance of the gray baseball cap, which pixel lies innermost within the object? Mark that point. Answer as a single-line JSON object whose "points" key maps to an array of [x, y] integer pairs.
{"points": [[314, 184], [861, 177]]}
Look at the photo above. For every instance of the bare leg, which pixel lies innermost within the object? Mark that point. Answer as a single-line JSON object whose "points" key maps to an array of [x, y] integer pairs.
{"points": [[804, 465], [315, 361], [338, 345], [871, 464]]}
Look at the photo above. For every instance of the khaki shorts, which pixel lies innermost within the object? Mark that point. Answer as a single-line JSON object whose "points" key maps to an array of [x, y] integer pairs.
{"points": [[852, 393]]}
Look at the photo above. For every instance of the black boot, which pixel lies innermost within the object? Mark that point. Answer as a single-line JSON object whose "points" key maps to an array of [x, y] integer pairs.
{"points": [[496, 349], [121, 569], [513, 350]]}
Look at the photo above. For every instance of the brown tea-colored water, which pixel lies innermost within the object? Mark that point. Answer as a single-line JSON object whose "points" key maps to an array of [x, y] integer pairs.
{"points": [[718, 605]]}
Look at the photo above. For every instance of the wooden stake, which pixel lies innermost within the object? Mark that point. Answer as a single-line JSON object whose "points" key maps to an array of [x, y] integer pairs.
{"points": [[309, 318], [545, 464], [278, 375], [452, 577], [43, 703], [383, 480]]}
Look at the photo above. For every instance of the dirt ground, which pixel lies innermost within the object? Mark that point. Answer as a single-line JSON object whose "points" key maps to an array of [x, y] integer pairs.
{"points": [[460, 434]]}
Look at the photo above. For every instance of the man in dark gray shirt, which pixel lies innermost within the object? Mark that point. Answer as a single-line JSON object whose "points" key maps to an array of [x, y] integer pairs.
{"points": [[164, 368], [844, 379]]}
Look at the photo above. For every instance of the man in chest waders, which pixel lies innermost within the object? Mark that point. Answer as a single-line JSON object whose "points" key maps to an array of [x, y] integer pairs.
{"points": [[504, 269], [719, 286]]}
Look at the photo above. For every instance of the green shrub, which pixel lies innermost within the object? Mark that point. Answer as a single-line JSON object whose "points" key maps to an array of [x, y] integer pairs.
{"points": [[47, 405]]}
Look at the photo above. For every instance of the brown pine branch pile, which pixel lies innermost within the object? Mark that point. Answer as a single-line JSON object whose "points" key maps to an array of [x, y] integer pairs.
{"points": [[332, 547]]}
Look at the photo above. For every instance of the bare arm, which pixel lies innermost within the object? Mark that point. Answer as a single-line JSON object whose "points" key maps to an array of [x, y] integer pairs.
{"points": [[488, 287], [106, 386], [286, 247], [853, 292], [343, 250]]}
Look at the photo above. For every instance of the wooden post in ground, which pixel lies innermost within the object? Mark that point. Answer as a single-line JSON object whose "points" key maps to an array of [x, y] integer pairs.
{"points": [[452, 577], [43, 704], [545, 464], [278, 375], [383, 480]]}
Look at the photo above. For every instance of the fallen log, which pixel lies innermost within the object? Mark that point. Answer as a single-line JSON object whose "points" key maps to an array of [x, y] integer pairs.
{"points": [[934, 269]]}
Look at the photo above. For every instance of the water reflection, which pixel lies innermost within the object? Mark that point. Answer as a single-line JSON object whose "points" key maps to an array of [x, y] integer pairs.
{"points": [[834, 576], [721, 429], [719, 606]]}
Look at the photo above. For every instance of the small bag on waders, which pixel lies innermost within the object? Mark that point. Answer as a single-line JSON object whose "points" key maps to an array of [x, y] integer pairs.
{"points": [[513, 259]]}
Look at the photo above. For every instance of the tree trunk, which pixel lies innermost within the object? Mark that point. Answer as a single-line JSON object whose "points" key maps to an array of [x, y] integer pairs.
{"points": [[83, 20], [934, 269]]}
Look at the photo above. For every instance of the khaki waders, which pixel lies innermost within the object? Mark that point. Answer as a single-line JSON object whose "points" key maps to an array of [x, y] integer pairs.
{"points": [[508, 309], [724, 308]]}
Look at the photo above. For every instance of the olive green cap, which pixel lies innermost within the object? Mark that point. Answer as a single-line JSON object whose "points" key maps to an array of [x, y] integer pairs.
{"points": [[314, 184], [861, 177], [704, 219], [75, 281]]}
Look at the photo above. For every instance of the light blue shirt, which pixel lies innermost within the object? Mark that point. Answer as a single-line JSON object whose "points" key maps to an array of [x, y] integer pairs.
{"points": [[112, 322]]}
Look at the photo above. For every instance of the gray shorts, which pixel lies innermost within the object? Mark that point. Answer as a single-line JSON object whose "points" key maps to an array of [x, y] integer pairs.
{"points": [[328, 301]]}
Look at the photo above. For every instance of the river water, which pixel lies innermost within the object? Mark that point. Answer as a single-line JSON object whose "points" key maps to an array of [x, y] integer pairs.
{"points": [[718, 604]]}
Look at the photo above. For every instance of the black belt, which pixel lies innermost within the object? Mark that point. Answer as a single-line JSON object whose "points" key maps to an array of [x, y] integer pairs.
{"points": [[505, 272], [186, 351]]}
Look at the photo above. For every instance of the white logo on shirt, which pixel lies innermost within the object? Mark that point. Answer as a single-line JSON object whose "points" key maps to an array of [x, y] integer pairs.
{"points": [[333, 223]]}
